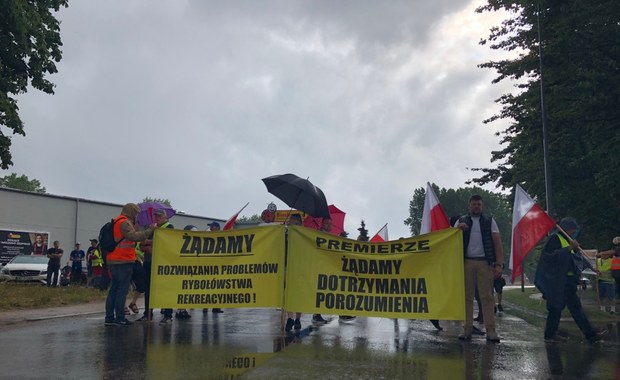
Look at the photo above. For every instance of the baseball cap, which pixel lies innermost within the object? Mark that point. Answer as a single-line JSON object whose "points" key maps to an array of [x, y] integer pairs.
{"points": [[213, 224], [94, 241]]}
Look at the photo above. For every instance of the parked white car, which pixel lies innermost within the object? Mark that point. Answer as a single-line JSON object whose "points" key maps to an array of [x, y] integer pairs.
{"points": [[25, 268]]}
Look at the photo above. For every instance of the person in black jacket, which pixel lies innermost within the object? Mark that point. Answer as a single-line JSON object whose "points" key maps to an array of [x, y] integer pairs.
{"points": [[557, 275]]}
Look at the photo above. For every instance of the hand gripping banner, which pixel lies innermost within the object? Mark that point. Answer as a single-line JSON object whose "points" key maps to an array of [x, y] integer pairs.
{"points": [[233, 268], [419, 277]]}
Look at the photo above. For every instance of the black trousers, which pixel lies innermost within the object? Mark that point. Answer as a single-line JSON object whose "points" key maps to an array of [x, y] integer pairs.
{"points": [[52, 271], [573, 303]]}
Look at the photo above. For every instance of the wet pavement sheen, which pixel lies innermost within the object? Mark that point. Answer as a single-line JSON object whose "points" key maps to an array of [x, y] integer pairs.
{"points": [[248, 344]]}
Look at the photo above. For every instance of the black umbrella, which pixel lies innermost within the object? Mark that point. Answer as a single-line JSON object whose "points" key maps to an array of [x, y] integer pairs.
{"points": [[298, 193]]}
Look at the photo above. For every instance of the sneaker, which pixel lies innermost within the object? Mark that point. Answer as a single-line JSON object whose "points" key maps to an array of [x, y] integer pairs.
{"points": [[165, 321], [317, 318], [110, 323], [289, 325], [598, 336], [556, 339], [476, 331], [492, 337], [346, 318], [297, 324], [479, 319], [217, 310], [124, 322], [500, 308]]}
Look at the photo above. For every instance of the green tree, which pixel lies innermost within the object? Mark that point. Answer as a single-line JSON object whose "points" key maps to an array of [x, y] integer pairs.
{"points": [[580, 43], [249, 219], [164, 201], [454, 202], [30, 41], [363, 236], [22, 183]]}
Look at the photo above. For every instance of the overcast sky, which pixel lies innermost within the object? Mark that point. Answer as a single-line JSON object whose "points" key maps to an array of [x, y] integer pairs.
{"points": [[196, 101]]}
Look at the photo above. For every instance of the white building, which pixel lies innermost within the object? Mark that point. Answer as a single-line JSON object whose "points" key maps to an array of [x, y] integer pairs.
{"points": [[66, 219]]}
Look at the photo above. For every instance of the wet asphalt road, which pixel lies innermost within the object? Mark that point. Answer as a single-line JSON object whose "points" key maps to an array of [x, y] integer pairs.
{"points": [[247, 344]]}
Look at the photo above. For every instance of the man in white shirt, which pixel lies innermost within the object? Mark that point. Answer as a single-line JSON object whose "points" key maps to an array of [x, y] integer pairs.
{"points": [[484, 261]]}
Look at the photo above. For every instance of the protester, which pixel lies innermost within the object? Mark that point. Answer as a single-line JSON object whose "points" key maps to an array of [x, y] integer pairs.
{"points": [[53, 265], [498, 285], [214, 226], [77, 257], [120, 261], [606, 287], [557, 274], [326, 226], [65, 275], [293, 220], [137, 280], [146, 246], [95, 261], [183, 313], [614, 255], [484, 258], [89, 263]]}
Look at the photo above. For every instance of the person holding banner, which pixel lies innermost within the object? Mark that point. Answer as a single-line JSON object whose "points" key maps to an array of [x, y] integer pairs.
{"points": [[293, 220], [326, 226], [120, 261], [484, 258], [557, 274], [214, 226]]}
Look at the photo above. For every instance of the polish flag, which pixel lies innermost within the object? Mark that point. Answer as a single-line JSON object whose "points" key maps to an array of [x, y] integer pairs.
{"points": [[530, 223], [434, 217], [382, 235], [230, 223]]}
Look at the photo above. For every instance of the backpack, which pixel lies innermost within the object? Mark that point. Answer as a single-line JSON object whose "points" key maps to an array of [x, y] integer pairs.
{"points": [[107, 243]]}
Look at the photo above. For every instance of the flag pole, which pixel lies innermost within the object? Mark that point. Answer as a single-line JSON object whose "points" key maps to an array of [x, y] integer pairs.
{"points": [[581, 252]]}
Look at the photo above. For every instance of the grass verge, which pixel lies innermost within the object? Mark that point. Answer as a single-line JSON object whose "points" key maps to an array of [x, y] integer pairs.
{"points": [[529, 306], [31, 296]]}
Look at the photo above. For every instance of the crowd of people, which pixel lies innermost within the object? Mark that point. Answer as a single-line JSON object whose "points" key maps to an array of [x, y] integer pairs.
{"points": [[557, 275]]}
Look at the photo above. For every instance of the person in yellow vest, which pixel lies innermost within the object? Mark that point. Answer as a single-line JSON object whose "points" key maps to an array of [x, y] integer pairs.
{"points": [[95, 261], [615, 264], [557, 274], [606, 288], [614, 256], [120, 261]]}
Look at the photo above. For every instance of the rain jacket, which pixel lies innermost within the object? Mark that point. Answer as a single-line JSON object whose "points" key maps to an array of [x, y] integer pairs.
{"points": [[556, 266], [125, 251]]}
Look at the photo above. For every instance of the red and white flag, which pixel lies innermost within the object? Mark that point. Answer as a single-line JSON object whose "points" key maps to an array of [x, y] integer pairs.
{"points": [[230, 223], [434, 217], [382, 235], [530, 223]]}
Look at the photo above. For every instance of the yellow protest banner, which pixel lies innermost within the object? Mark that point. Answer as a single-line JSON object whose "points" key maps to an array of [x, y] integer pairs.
{"points": [[419, 277], [234, 268]]}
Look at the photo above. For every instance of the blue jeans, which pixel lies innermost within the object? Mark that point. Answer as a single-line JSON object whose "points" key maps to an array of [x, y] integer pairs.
{"points": [[115, 303]]}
